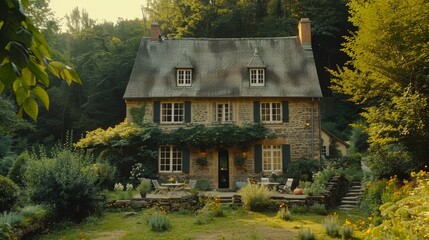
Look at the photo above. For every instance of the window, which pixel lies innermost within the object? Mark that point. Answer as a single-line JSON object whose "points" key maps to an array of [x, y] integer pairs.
{"points": [[324, 150], [257, 77], [172, 112], [272, 157], [170, 159], [271, 112], [184, 77], [223, 112]]}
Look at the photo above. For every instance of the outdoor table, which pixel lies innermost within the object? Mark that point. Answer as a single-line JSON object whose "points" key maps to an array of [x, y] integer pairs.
{"points": [[270, 185], [174, 187]]}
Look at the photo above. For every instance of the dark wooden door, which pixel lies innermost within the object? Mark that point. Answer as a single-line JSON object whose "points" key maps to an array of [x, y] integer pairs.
{"points": [[223, 162]]}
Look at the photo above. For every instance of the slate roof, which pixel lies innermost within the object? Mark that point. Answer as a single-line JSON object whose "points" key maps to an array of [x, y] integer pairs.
{"points": [[220, 68]]}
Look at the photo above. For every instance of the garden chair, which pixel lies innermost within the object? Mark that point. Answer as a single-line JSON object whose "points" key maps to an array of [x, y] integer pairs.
{"points": [[159, 188], [192, 184], [287, 188], [265, 180]]}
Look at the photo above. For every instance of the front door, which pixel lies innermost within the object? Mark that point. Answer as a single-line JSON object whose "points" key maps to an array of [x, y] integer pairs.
{"points": [[223, 168]]}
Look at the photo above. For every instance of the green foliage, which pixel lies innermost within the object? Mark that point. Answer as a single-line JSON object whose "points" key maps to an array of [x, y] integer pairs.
{"points": [[317, 208], [212, 208], [203, 184], [11, 218], [390, 160], [347, 232], [6, 231], [255, 198], [34, 214], [202, 161], [60, 182], [9, 194], [405, 217], [331, 226], [284, 213], [23, 56], [144, 187], [240, 161], [306, 234], [297, 209], [302, 169], [159, 222], [388, 74], [17, 171]]}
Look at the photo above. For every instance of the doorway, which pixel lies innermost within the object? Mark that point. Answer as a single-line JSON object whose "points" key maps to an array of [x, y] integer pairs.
{"points": [[223, 163]]}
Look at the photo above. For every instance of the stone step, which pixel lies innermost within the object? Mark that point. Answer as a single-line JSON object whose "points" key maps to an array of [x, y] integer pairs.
{"points": [[351, 202], [347, 206], [351, 198]]}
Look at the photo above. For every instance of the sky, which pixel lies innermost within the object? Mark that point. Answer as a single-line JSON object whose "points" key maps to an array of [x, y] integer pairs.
{"points": [[109, 10]]}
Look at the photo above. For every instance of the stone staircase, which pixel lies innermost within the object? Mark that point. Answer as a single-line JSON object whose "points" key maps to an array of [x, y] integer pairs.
{"points": [[353, 197]]}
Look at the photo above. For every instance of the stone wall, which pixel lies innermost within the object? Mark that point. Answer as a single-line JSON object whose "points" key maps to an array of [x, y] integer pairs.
{"points": [[302, 132]]}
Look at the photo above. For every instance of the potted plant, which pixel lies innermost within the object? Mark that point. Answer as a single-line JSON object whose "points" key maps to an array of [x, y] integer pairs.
{"points": [[144, 187], [240, 161], [202, 161]]}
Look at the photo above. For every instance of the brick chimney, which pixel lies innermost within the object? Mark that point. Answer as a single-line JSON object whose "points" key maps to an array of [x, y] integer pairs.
{"points": [[155, 31], [304, 33]]}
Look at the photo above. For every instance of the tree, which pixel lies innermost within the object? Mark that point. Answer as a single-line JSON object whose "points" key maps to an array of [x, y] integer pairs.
{"points": [[388, 74], [25, 59]]}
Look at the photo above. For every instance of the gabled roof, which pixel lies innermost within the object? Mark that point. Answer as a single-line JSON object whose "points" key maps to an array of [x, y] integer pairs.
{"points": [[220, 68], [331, 135]]}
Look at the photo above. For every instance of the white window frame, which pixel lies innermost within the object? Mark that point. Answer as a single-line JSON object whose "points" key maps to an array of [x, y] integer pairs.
{"points": [[271, 112], [272, 158], [223, 112], [257, 77], [170, 159], [172, 112], [184, 77], [324, 150]]}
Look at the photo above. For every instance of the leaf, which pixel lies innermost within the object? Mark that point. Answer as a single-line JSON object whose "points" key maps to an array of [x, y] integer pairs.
{"points": [[25, 3], [31, 108], [64, 72], [28, 78], [19, 54], [24, 36], [39, 73], [1, 87], [42, 95], [21, 95], [8, 75]]}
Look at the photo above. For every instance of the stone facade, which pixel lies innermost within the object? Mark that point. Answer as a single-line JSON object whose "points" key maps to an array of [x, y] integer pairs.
{"points": [[302, 133]]}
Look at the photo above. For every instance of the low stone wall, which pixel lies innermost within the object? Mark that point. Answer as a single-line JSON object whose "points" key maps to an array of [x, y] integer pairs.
{"points": [[169, 204]]}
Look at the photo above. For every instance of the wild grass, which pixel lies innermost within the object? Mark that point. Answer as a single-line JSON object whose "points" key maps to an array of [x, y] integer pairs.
{"points": [[236, 224]]}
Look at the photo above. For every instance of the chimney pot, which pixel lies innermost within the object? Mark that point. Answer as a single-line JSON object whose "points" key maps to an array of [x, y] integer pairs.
{"points": [[155, 31], [304, 33]]}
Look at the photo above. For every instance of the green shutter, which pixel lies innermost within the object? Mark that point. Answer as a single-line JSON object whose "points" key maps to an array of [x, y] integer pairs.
{"points": [[285, 157], [185, 161], [285, 108], [258, 158], [256, 112], [156, 111], [187, 111]]}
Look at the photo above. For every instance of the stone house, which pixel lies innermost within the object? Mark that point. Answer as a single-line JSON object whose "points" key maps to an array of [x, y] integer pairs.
{"points": [[331, 142], [190, 81]]}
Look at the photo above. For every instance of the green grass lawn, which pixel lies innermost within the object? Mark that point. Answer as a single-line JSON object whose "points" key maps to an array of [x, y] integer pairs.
{"points": [[236, 224]]}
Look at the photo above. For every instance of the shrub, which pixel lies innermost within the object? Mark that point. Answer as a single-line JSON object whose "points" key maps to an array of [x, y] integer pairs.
{"points": [[6, 231], [347, 232], [34, 214], [331, 226], [11, 218], [17, 171], [159, 222], [203, 185], [284, 213], [8, 194], [299, 209], [306, 234], [318, 209], [60, 182], [144, 187], [254, 197]]}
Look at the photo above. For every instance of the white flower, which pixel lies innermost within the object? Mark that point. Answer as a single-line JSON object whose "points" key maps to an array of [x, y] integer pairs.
{"points": [[119, 187], [129, 187]]}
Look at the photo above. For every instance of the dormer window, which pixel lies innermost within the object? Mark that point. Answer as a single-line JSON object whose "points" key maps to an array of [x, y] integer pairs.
{"points": [[256, 68], [184, 77], [184, 71], [257, 77]]}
